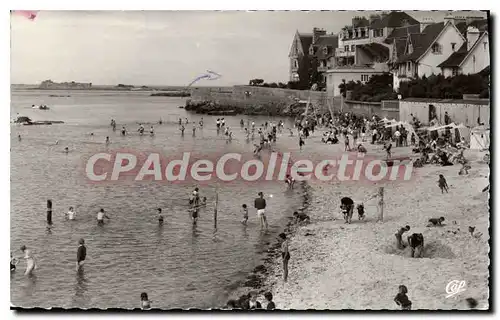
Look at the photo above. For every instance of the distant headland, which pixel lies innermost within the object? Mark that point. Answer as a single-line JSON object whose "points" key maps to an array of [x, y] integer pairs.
{"points": [[169, 91]]}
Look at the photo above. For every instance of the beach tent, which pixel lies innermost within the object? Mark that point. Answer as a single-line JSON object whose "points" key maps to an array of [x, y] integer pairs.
{"points": [[480, 138]]}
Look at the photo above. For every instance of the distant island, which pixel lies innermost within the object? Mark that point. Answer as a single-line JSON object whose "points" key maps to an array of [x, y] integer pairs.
{"points": [[166, 91]]}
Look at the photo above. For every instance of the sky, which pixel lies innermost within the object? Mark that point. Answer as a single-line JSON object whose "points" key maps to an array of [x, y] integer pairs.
{"points": [[165, 47]]}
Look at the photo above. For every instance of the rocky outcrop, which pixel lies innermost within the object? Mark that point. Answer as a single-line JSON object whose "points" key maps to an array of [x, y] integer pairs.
{"points": [[267, 108]]}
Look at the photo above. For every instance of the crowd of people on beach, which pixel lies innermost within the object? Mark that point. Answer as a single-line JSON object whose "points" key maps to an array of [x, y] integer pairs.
{"points": [[338, 126]]}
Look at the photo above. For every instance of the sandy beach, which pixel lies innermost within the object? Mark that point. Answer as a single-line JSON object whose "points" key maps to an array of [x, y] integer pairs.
{"points": [[357, 266]]}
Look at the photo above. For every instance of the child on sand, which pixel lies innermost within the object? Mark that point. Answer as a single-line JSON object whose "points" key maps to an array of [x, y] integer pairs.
{"points": [[443, 185], [399, 237], [401, 298], [244, 210], [269, 299], [361, 211]]}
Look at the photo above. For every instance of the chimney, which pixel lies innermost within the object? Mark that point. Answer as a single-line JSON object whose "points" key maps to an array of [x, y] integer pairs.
{"points": [[425, 22], [317, 32], [449, 18], [472, 36]]}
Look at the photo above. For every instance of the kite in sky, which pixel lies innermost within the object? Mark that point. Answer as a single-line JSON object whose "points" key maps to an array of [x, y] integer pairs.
{"points": [[30, 14], [210, 75]]}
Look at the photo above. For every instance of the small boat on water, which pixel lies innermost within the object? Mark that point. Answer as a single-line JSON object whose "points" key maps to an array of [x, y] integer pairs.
{"points": [[41, 123], [40, 107]]}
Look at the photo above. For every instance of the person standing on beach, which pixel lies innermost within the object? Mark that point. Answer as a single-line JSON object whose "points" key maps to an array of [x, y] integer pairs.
{"points": [[285, 255], [443, 185], [81, 254], [347, 206], [182, 130], [399, 237], [260, 205], [49, 212]]}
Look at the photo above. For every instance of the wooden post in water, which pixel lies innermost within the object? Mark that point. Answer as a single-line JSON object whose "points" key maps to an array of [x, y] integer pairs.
{"points": [[381, 204], [215, 209], [49, 211]]}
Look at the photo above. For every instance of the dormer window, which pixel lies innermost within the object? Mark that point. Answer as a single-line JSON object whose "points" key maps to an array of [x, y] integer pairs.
{"points": [[410, 48], [453, 44], [436, 48]]}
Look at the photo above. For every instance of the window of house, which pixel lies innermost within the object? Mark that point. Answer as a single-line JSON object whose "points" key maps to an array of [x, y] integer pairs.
{"points": [[436, 48], [408, 65], [325, 50], [473, 59], [311, 50], [454, 71], [353, 47], [346, 48], [295, 64], [453, 44], [365, 77], [410, 48], [484, 45]]}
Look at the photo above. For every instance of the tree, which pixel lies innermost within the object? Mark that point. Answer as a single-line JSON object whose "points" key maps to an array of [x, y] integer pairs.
{"points": [[256, 82], [273, 85]]}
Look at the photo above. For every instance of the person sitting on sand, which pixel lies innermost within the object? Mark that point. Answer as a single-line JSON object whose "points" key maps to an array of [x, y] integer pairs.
{"points": [[436, 222], [443, 185], [232, 304], [253, 303], [399, 237], [301, 217], [244, 302], [269, 299], [416, 243], [361, 149], [401, 298], [471, 303]]}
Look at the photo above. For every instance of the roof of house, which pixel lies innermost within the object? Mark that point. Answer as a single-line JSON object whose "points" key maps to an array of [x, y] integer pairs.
{"points": [[481, 24], [331, 41], [376, 50], [457, 57], [484, 102], [402, 32], [393, 20], [421, 41], [306, 40]]}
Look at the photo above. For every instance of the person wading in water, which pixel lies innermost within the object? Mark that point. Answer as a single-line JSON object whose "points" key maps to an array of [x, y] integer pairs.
{"points": [[260, 205]]}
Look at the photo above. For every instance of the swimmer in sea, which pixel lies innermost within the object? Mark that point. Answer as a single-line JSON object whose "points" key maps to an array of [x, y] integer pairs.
{"points": [[124, 131], [13, 262], [152, 131], [182, 130], [66, 149], [71, 214], [160, 217], [30, 261], [145, 302], [81, 254], [107, 140], [194, 214], [100, 217], [19, 137]]}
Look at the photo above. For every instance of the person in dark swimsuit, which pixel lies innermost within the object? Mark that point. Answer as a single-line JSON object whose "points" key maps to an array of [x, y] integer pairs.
{"points": [[13, 262], [347, 206], [81, 254], [160, 217]]}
